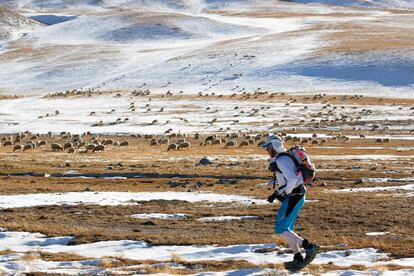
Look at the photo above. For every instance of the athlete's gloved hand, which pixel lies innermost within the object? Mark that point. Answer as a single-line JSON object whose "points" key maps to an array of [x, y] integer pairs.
{"points": [[272, 197], [281, 197]]}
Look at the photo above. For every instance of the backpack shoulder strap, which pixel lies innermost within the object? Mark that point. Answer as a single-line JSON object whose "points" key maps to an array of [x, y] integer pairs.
{"points": [[287, 153]]}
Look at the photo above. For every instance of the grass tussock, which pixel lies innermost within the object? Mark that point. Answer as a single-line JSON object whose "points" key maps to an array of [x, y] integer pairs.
{"points": [[337, 221]]}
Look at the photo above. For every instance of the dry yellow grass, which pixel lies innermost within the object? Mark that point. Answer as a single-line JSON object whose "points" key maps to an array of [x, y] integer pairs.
{"points": [[336, 218]]}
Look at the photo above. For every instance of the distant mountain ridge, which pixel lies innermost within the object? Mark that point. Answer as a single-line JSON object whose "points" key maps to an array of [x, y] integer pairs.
{"points": [[392, 4], [12, 23], [187, 5]]}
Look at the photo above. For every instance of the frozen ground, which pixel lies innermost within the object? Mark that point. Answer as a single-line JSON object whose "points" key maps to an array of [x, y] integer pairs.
{"points": [[211, 46], [397, 4], [229, 218], [408, 187], [117, 198], [187, 115], [139, 250], [160, 216]]}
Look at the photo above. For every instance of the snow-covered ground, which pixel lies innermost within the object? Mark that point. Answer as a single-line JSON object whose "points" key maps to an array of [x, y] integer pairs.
{"points": [[209, 46], [408, 187], [37, 114], [140, 250], [229, 218], [160, 216], [396, 4], [117, 198]]}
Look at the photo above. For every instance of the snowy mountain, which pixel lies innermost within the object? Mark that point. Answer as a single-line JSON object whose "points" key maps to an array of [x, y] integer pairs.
{"points": [[12, 24], [392, 4], [187, 5], [205, 46]]}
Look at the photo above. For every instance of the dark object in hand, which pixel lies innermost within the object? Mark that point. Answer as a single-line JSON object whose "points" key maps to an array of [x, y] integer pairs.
{"points": [[277, 196]]}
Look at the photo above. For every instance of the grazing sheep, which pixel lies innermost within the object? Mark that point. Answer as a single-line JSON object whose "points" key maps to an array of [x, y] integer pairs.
{"points": [[315, 142], [244, 143], [163, 141], [154, 143], [67, 145], [184, 145], [250, 141], [96, 142], [288, 138], [42, 143], [17, 147], [27, 147], [7, 143], [99, 148], [210, 138], [196, 136], [258, 137], [90, 147], [56, 147], [216, 142], [71, 150], [108, 142], [230, 144], [172, 147], [386, 140], [124, 144]]}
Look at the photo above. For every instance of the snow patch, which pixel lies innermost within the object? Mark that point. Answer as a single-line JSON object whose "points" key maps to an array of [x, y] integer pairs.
{"points": [[117, 198], [160, 216], [408, 187], [229, 218], [376, 233]]}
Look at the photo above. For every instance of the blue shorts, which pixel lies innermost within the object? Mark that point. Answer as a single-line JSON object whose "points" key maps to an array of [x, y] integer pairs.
{"points": [[288, 213]]}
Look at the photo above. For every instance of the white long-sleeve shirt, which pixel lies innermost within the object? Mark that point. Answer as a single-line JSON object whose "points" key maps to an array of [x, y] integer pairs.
{"points": [[288, 176]]}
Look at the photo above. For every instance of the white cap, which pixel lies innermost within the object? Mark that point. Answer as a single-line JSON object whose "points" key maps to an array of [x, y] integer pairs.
{"points": [[275, 142]]}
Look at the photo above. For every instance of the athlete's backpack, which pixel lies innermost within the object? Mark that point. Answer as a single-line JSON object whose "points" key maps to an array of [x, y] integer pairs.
{"points": [[302, 161]]}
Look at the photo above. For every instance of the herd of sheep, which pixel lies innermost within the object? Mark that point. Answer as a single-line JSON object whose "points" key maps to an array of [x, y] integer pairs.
{"points": [[91, 143], [68, 142]]}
